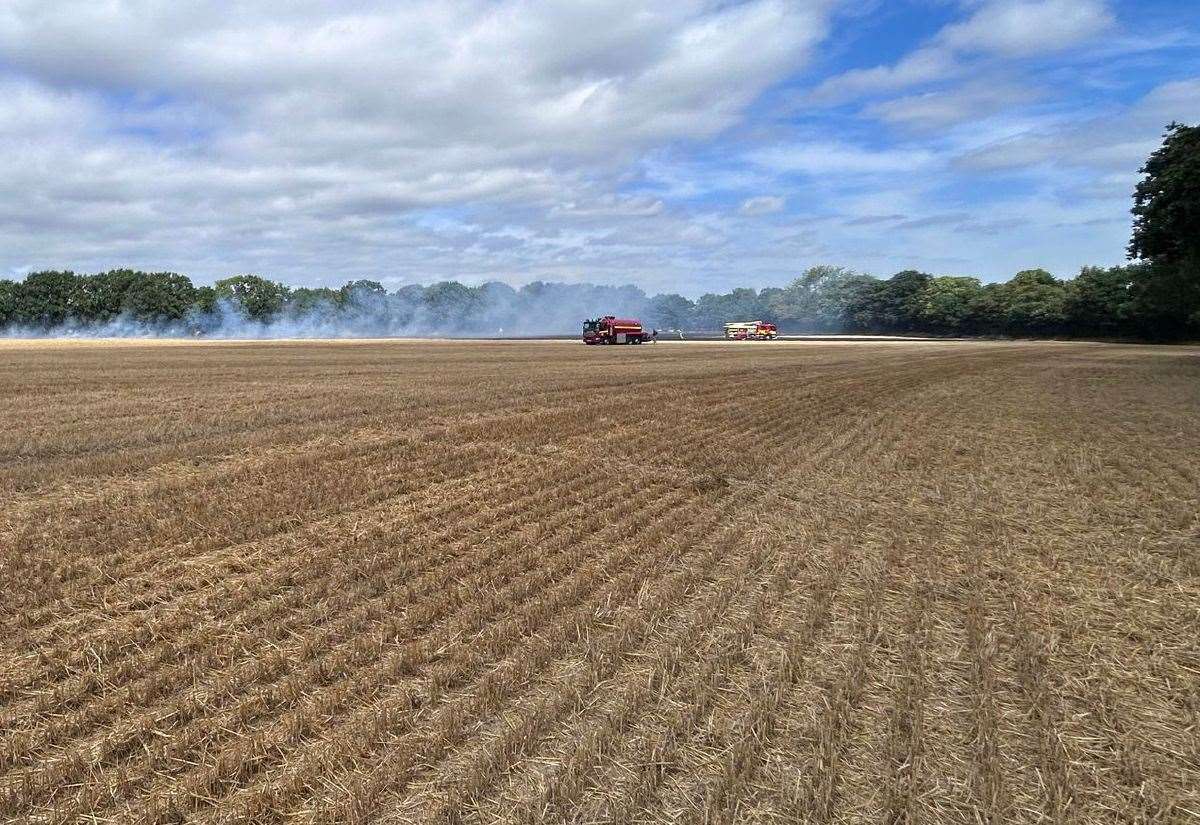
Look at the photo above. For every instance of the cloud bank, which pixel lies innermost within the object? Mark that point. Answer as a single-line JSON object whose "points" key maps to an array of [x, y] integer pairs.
{"points": [[684, 146]]}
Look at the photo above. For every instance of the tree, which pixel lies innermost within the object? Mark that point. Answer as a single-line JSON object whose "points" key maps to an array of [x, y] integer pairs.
{"points": [[1166, 233], [713, 309], [499, 298], [365, 301], [157, 297], [205, 300], [498, 303], [304, 300], [100, 298], [989, 310], [259, 298], [894, 305], [47, 299], [671, 311], [1099, 300], [947, 304], [146, 297], [10, 296], [799, 305], [407, 305], [362, 292], [1034, 301], [451, 305], [836, 298], [1166, 203]]}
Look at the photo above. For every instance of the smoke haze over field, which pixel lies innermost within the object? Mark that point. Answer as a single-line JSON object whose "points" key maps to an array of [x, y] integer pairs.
{"points": [[446, 309], [129, 303]]}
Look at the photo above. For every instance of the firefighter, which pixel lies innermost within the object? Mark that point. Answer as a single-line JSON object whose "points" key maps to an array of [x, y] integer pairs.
{"points": [[653, 336]]}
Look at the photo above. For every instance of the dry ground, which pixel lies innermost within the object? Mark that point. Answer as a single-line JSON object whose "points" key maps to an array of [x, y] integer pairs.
{"points": [[532, 582]]}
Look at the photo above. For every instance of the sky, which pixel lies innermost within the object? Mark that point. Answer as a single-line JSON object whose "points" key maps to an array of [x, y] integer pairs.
{"points": [[688, 146]]}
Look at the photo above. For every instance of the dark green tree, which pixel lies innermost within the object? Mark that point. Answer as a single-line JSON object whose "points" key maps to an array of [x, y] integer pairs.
{"points": [[1033, 302], [100, 298], [304, 300], [259, 298], [894, 304], [1166, 203], [47, 299], [450, 304], [947, 305], [837, 297], [10, 296], [796, 305], [989, 310], [671, 311], [1100, 300], [158, 297], [712, 310], [362, 292], [205, 301], [1166, 234], [497, 294]]}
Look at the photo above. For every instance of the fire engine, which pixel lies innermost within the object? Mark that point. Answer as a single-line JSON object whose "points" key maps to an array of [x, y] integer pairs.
{"points": [[751, 331], [613, 330]]}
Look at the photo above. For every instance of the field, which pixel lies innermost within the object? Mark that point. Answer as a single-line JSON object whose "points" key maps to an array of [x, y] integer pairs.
{"points": [[541, 582]]}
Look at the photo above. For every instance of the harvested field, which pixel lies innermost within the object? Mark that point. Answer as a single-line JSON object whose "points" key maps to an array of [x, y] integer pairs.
{"points": [[540, 582]]}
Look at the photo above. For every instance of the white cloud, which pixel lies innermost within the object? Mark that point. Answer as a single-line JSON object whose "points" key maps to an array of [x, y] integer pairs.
{"points": [[921, 66], [934, 110], [819, 158], [761, 205], [1115, 143], [580, 79], [303, 140], [609, 207], [1177, 100], [607, 140], [1005, 28], [1017, 28]]}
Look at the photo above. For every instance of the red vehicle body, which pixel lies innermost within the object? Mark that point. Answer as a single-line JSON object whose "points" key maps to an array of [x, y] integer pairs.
{"points": [[613, 330]]}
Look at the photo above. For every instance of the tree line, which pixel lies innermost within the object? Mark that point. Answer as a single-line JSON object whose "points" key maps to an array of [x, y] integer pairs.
{"points": [[1114, 301], [1109, 302], [1155, 296], [125, 301]]}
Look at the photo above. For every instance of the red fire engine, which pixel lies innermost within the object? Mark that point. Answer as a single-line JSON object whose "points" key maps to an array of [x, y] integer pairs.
{"points": [[751, 331], [613, 330]]}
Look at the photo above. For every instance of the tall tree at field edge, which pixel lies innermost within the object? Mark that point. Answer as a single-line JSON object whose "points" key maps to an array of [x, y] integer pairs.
{"points": [[1166, 233]]}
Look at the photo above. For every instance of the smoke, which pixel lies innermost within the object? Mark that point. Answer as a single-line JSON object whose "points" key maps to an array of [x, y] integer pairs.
{"points": [[441, 310]]}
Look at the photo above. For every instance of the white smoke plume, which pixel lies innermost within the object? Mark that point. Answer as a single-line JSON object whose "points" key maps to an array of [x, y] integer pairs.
{"points": [[493, 310]]}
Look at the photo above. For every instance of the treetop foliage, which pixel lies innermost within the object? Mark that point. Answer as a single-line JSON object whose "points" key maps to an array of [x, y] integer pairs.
{"points": [[1166, 203], [1166, 234]]}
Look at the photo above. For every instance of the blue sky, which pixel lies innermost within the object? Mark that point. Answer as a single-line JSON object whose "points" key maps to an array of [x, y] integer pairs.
{"points": [[689, 147]]}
